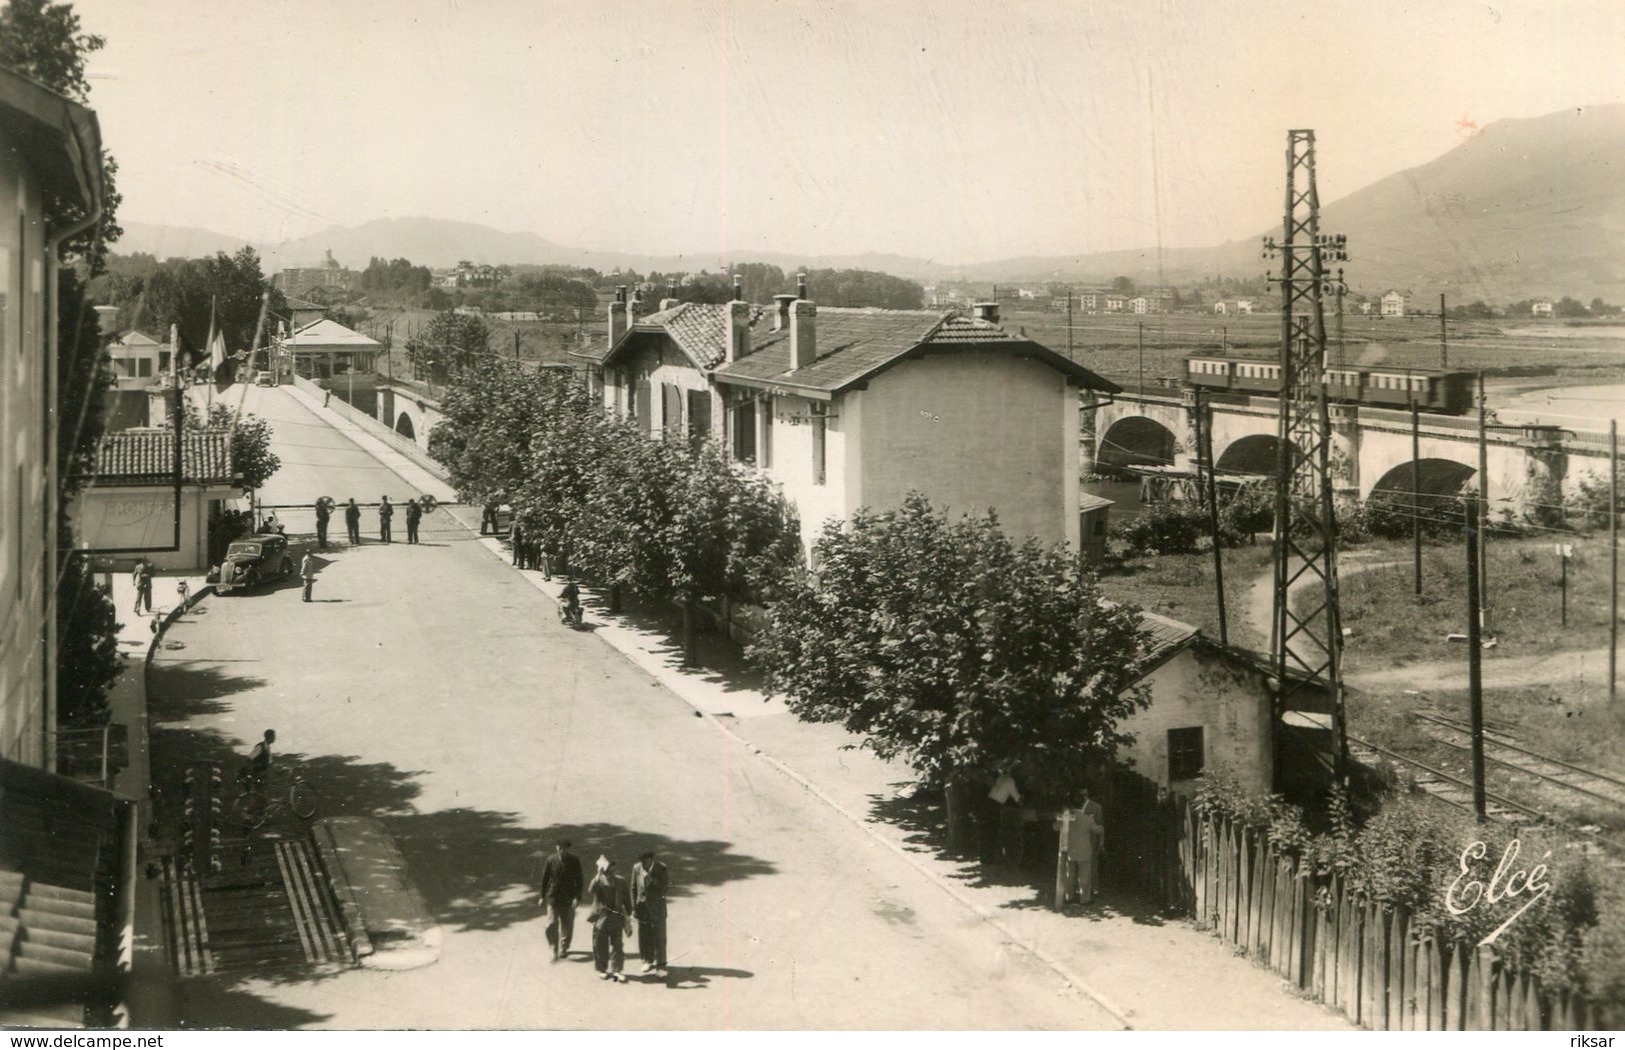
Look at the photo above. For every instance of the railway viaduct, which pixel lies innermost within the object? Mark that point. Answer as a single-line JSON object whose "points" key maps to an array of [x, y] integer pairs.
{"points": [[1372, 447], [409, 411]]}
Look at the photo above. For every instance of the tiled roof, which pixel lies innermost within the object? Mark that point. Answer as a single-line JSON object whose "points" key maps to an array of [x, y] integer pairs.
{"points": [[327, 332], [134, 338], [853, 343], [141, 455], [1164, 638]]}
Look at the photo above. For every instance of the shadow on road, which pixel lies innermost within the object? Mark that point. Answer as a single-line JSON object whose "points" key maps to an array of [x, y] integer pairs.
{"points": [[221, 1002]]}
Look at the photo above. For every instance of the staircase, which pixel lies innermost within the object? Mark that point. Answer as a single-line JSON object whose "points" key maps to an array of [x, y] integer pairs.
{"points": [[45, 930]]}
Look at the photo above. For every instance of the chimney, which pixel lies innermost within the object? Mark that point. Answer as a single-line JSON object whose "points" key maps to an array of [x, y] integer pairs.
{"points": [[781, 318], [738, 331], [986, 312], [618, 316], [739, 288], [671, 299], [803, 334], [801, 286]]}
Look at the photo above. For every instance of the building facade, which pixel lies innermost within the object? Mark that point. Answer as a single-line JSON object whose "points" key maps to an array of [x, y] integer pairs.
{"points": [[848, 408], [1394, 303], [49, 146], [296, 281], [134, 508], [323, 349]]}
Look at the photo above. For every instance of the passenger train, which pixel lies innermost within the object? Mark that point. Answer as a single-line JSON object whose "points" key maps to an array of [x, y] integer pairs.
{"points": [[1434, 390]]}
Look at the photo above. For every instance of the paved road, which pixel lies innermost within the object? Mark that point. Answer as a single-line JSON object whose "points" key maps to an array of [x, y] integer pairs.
{"points": [[431, 687]]}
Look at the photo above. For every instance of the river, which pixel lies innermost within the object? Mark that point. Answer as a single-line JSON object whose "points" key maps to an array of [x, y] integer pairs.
{"points": [[1578, 407]]}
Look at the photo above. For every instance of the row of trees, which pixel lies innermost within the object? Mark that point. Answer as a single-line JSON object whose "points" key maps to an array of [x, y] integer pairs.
{"points": [[229, 290], [940, 640], [395, 279], [660, 519]]}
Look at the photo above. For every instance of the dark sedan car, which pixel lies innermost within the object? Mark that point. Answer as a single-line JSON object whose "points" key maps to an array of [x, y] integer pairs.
{"points": [[253, 560]]}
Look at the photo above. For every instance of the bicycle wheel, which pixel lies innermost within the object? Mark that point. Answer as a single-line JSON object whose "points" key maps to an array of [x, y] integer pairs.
{"points": [[302, 800], [252, 808]]}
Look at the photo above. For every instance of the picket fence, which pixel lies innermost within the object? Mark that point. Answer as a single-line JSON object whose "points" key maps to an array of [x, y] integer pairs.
{"points": [[1360, 958]]}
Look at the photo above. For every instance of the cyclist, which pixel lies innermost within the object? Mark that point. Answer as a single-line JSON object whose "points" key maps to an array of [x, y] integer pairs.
{"points": [[571, 609], [257, 772]]}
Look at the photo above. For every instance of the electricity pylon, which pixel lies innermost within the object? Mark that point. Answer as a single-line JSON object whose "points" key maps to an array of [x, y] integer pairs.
{"points": [[1306, 642]]}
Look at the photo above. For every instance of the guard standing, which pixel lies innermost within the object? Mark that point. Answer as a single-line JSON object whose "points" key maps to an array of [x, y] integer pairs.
{"points": [[385, 513], [414, 514], [324, 510], [352, 521]]}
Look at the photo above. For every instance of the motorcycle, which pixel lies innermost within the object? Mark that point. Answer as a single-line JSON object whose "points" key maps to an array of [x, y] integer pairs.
{"points": [[570, 614]]}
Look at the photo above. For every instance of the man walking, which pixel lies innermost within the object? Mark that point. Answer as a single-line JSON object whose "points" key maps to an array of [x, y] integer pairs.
{"points": [[516, 539], [488, 519], [142, 576], [307, 570], [649, 907], [414, 514], [611, 919], [324, 510], [352, 521], [385, 513], [561, 891]]}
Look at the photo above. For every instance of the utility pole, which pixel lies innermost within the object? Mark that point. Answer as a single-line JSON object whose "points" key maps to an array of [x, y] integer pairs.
{"points": [[1069, 322], [1563, 578], [1141, 339], [1475, 655], [1613, 556], [1483, 507], [1416, 493], [1204, 461], [516, 344], [1339, 326], [1307, 648], [1444, 346]]}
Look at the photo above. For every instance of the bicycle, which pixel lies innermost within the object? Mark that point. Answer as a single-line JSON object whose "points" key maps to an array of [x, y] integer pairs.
{"points": [[257, 805]]}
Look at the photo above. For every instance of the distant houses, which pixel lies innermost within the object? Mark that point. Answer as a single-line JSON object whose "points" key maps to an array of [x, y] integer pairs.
{"points": [[298, 281], [1395, 302], [1541, 308]]}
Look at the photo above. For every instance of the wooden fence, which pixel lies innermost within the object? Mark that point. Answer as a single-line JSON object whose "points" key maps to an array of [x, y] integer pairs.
{"points": [[1358, 957]]}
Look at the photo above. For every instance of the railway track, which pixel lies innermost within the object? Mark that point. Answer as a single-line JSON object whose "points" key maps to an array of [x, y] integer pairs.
{"points": [[1502, 749]]}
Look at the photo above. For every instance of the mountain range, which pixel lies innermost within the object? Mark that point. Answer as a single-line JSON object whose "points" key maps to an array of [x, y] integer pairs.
{"points": [[1526, 207]]}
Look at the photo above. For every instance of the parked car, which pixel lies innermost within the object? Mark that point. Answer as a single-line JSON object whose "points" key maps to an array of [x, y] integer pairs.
{"points": [[253, 560], [263, 379]]}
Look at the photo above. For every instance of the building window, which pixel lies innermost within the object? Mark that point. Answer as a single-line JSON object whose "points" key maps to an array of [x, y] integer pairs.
{"points": [[766, 451], [820, 427], [1184, 753], [643, 405], [143, 367], [671, 409], [744, 444], [699, 417]]}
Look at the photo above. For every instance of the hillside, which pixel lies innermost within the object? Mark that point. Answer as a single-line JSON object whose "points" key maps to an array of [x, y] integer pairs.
{"points": [[1523, 208]]}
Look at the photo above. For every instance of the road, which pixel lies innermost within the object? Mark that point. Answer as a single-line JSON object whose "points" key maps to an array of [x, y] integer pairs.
{"points": [[432, 688]]}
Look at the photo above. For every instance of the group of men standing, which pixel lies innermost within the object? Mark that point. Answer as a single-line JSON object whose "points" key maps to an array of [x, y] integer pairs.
{"points": [[615, 904], [352, 520]]}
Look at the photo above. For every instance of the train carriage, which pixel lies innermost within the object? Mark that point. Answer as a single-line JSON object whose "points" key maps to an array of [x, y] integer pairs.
{"points": [[1434, 390]]}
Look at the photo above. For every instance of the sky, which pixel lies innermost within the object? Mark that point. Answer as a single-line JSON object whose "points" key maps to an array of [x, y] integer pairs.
{"points": [[951, 130]]}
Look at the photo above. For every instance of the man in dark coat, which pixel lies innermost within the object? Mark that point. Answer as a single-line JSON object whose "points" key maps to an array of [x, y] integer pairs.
{"points": [[561, 892], [516, 538], [488, 519], [323, 512], [649, 883], [385, 512], [611, 919], [414, 514], [352, 521]]}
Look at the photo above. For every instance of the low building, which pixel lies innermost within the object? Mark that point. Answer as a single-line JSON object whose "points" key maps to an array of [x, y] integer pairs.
{"points": [[137, 360], [1210, 711], [1116, 304], [1395, 302], [850, 408], [1093, 512], [134, 505], [50, 149], [1541, 308], [325, 348], [1244, 306]]}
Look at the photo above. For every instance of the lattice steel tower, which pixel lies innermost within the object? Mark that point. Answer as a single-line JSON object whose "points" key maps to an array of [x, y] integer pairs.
{"points": [[1306, 642]]}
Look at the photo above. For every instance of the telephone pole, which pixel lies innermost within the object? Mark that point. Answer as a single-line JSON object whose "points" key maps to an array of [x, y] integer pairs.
{"points": [[1204, 462], [1416, 493], [1475, 658], [1444, 346], [1307, 649], [1613, 557]]}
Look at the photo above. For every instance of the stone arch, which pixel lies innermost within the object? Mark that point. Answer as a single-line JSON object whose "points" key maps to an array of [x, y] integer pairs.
{"points": [[1438, 481], [1136, 441], [1253, 454], [404, 427]]}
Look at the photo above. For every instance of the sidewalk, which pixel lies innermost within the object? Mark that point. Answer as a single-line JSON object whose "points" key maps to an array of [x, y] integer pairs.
{"points": [[1150, 973]]}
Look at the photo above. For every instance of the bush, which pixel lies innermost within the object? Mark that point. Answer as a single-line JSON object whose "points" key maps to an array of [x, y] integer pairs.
{"points": [[1166, 529]]}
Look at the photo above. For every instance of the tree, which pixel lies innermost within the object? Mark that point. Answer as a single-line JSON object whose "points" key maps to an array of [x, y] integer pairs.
{"points": [[946, 644], [1569, 307], [229, 291], [45, 41], [1122, 285], [450, 343], [251, 457]]}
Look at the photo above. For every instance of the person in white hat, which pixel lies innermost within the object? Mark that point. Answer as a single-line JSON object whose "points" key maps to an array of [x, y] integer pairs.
{"points": [[611, 919]]}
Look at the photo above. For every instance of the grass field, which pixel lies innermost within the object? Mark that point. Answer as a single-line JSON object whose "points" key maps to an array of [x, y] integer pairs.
{"points": [[1180, 586]]}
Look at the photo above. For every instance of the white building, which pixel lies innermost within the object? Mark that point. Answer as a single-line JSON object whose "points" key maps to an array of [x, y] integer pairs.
{"points": [[49, 148], [850, 408], [132, 508], [323, 349], [137, 360], [1541, 308], [1394, 303]]}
